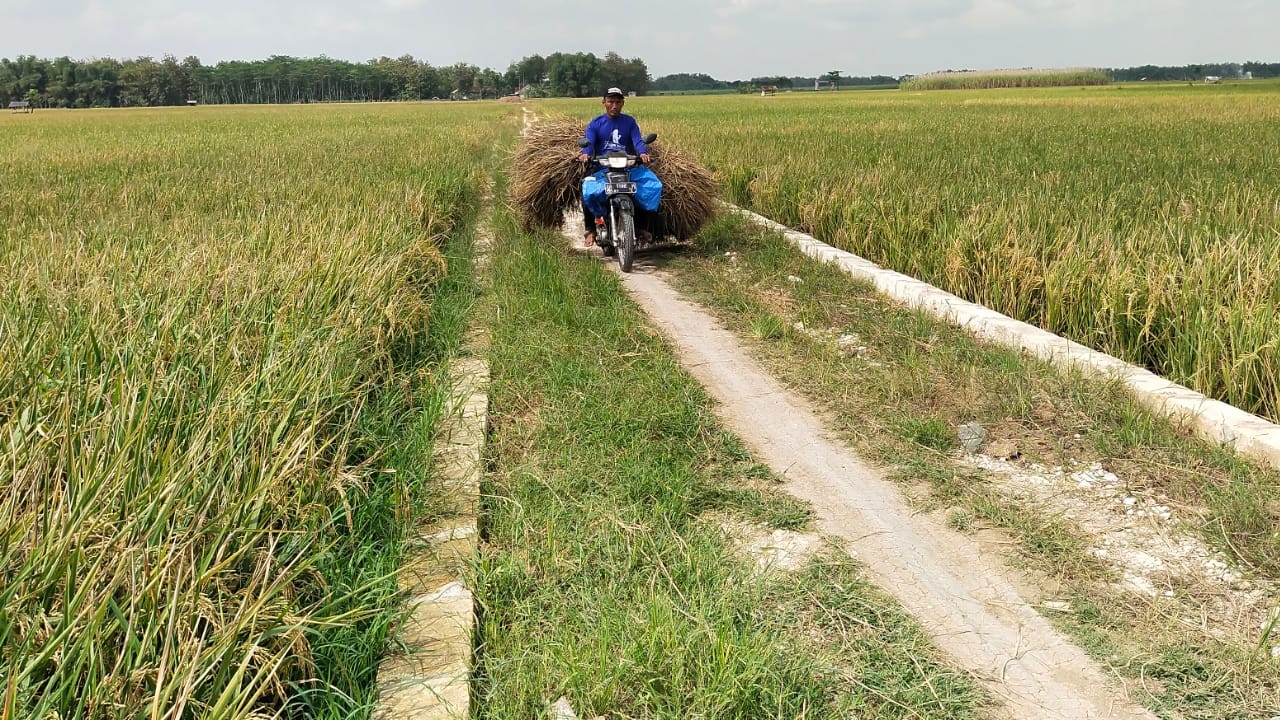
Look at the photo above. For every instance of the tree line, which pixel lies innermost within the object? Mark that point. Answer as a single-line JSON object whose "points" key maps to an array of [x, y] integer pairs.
{"points": [[146, 82], [699, 82], [1196, 72]]}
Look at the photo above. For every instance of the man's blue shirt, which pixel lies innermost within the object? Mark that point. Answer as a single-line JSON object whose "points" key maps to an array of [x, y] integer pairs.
{"points": [[607, 134]]}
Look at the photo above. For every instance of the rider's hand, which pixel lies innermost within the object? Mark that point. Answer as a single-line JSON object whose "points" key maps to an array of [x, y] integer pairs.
{"points": [[582, 157], [644, 158]]}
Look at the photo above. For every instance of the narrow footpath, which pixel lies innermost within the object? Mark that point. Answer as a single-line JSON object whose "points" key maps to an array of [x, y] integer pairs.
{"points": [[959, 594]]}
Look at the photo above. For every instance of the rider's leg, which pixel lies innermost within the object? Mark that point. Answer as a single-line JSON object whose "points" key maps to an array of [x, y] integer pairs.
{"points": [[644, 224], [588, 226]]}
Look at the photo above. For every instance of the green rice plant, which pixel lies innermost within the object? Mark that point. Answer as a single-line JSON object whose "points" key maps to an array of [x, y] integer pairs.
{"points": [[216, 323], [1139, 221]]}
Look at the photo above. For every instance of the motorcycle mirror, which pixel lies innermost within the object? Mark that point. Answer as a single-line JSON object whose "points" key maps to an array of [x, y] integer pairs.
{"points": [[650, 138], [583, 142]]}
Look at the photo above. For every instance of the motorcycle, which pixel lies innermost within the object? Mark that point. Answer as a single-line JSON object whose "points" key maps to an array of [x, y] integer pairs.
{"points": [[616, 231]]}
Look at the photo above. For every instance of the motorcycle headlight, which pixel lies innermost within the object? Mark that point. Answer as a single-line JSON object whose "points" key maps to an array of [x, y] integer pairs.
{"points": [[617, 162]]}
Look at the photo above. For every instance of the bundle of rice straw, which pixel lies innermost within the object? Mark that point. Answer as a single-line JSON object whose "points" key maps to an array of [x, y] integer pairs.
{"points": [[546, 177], [547, 180], [689, 192]]}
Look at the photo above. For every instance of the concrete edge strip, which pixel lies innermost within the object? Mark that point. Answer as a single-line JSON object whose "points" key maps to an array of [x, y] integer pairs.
{"points": [[431, 677], [1251, 436]]}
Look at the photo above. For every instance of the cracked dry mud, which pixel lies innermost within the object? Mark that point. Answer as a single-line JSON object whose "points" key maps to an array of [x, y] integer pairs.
{"points": [[959, 591]]}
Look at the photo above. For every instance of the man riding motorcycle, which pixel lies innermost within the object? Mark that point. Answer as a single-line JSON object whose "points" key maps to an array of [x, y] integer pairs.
{"points": [[614, 131]]}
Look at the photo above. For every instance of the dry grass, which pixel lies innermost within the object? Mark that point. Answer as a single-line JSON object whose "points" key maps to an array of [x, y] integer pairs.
{"points": [[547, 181]]}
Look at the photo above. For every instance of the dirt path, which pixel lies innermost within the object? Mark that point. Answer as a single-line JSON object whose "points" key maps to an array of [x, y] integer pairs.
{"points": [[959, 594]]}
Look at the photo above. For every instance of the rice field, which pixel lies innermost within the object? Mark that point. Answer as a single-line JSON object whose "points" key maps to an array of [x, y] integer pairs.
{"points": [[1143, 221], [218, 339], [219, 330]]}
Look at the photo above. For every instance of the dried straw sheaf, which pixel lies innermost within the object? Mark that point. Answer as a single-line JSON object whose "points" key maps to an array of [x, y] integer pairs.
{"points": [[548, 180], [546, 177]]}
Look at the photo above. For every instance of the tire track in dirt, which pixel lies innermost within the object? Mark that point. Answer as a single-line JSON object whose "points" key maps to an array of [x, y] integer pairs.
{"points": [[961, 596]]}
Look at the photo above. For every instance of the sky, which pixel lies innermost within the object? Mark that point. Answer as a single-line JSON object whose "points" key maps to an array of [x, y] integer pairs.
{"points": [[726, 39]]}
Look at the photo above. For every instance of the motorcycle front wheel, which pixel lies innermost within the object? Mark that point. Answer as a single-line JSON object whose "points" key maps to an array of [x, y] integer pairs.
{"points": [[624, 236]]}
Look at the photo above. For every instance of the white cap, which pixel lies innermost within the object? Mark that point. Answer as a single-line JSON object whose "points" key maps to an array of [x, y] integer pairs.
{"points": [[614, 91]]}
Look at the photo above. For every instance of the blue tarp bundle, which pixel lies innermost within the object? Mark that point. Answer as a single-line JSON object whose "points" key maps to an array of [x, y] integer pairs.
{"points": [[648, 190]]}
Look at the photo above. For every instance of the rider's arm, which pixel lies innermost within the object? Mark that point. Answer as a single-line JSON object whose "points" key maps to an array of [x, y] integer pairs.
{"points": [[637, 140], [590, 136]]}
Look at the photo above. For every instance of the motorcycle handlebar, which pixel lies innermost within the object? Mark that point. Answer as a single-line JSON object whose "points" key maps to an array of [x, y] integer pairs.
{"points": [[593, 158]]}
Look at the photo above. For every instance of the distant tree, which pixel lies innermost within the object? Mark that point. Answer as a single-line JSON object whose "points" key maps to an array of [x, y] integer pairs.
{"points": [[97, 83], [404, 78], [777, 81], [108, 82], [61, 88], [174, 82], [460, 77], [32, 74], [8, 80], [489, 84], [574, 75], [136, 78], [683, 82], [630, 75], [530, 70], [196, 76], [1262, 70]]}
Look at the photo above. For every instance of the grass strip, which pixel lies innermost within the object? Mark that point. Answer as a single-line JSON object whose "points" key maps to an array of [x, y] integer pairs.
{"points": [[898, 384], [607, 576], [399, 430]]}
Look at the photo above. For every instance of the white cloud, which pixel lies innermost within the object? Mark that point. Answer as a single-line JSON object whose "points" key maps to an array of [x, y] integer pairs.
{"points": [[994, 15], [184, 24], [331, 22], [740, 8]]}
